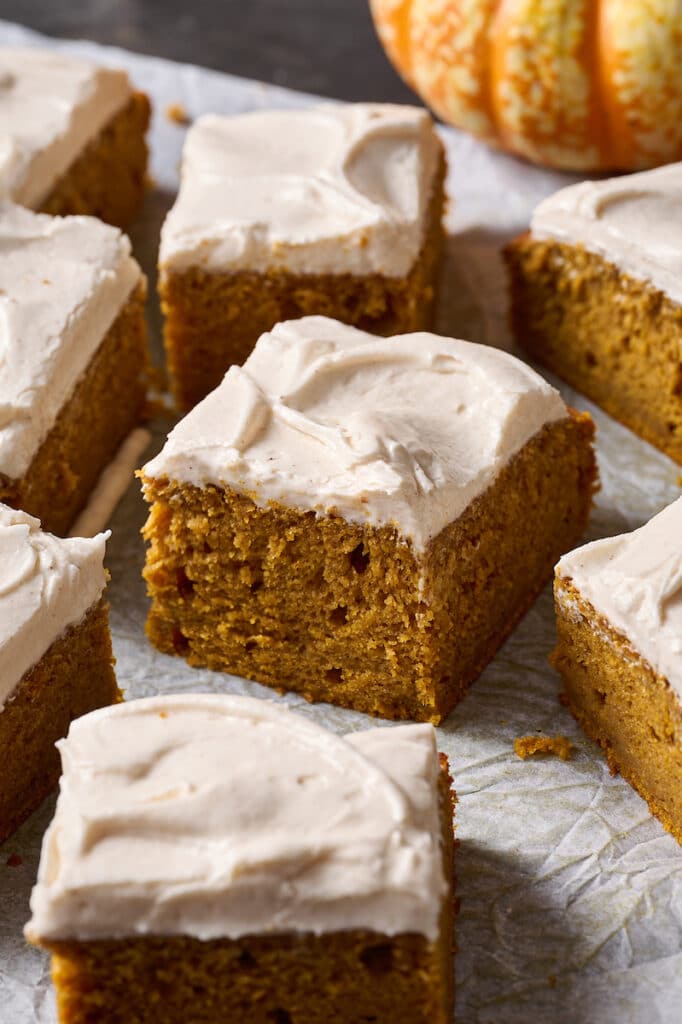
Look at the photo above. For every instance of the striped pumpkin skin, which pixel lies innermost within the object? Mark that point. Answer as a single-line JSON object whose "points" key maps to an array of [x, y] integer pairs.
{"points": [[583, 85]]}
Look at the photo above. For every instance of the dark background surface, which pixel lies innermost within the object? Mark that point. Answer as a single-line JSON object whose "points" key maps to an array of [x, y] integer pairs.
{"points": [[322, 46]]}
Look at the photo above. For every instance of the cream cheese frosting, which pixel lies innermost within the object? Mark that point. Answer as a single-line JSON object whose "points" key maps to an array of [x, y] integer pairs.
{"points": [[635, 582], [221, 816], [402, 431], [63, 281], [335, 189], [46, 585], [634, 222], [51, 107]]}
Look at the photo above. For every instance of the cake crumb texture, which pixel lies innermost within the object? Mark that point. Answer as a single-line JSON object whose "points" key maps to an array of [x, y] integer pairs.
{"points": [[527, 746], [74, 676], [621, 703], [351, 614], [615, 339], [109, 179]]}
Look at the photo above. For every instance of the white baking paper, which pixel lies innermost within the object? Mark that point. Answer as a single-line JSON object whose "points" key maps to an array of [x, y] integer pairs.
{"points": [[571, 893]]}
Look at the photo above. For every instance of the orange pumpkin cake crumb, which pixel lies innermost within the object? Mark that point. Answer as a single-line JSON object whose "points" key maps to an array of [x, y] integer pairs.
{"points": [[177, 113], [527, 746]]}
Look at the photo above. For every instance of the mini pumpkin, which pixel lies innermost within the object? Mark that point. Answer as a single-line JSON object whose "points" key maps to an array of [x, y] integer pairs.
{"points": [[585, 85]]}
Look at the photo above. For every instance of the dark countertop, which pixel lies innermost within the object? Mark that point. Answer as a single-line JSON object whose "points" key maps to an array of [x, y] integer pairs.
{"points": [[322, 46]]}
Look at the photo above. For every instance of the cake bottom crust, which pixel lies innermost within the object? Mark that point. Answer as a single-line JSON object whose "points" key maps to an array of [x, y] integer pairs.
{"points": [[621, 703], [106, 404], [617, 340], [74, 676], [350, 614], [109, 178], [351, 977], [214, 320]]}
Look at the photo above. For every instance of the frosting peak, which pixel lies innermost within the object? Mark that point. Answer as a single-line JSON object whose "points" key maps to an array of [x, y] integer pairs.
{"points": [[402, 431], [633, 221], [46, 585], [340, 188], [223, 816], [635, 582], [51, 107]]}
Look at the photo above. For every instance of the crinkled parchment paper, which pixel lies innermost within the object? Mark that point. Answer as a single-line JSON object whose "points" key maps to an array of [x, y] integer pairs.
{"points": [[571, 894]]}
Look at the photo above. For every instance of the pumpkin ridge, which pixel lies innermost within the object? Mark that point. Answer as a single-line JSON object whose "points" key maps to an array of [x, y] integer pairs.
{"points": [[392, 25], [488, 89], [600, 124], [399, 20]]}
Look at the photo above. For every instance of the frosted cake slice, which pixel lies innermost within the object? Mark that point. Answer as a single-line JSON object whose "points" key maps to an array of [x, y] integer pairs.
{"points": [[362, 519], [619, 624], [332, 210], [227, 860], [73, 377], [56, 661], [596, 296], [72, 136]]}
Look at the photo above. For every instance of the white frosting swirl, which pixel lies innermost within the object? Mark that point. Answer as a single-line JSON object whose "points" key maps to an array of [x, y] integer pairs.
{"points": [[404, 431], [63, 281], [635, 582], [51, 107], [336, 189], [634, 222], [46, 585], [220, 816]]}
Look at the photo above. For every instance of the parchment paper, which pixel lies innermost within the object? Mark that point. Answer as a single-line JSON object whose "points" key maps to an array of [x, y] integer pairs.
{"points": [[571, 893]]}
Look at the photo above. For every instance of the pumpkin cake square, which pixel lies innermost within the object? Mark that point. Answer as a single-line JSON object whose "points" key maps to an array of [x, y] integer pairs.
{"points": [[596, 296], [227, 860], [360, 519], [619, 652], [74, 372], [333, 210], [56, 661], [72, 136]]}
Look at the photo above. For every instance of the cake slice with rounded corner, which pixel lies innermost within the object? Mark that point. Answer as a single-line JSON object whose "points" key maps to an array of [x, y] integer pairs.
{"points": [[221, 859]]}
